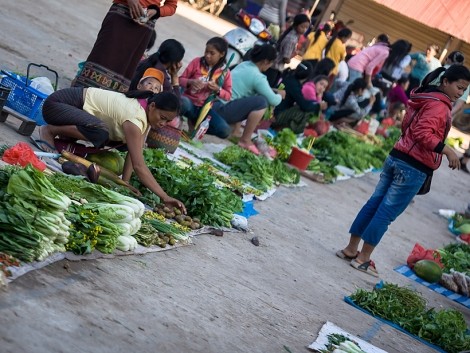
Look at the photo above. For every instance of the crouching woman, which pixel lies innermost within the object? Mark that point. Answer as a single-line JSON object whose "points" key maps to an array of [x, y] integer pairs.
{"points": [[103, 117]]}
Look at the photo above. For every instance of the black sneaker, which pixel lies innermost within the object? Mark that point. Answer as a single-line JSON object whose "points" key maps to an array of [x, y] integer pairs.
{"points": [[463, 166]]}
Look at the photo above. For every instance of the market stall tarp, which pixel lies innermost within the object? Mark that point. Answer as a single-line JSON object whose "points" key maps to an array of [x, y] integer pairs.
{"points": [[408, 272]]}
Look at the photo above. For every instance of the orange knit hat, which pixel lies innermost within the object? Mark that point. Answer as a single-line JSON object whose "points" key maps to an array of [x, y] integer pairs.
{"points": [[155, 73]]}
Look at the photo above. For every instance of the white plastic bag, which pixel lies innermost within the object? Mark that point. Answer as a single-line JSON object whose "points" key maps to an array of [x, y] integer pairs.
{"points": [[42, 84]]}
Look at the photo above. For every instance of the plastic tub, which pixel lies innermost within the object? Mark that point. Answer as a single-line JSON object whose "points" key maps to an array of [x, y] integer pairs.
{"points": [[299, 158]]}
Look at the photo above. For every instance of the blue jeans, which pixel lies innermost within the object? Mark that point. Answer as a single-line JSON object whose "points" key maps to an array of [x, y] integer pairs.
{"points": [[217, 126], [399, 183]]}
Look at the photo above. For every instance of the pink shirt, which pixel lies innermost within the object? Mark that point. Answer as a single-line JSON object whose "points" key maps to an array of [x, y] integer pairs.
{"points": [[369, 58], [309, 91], [196, 70]]}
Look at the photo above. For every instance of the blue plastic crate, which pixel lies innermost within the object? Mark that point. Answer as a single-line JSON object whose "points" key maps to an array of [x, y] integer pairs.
{"points": [[24, 99]]}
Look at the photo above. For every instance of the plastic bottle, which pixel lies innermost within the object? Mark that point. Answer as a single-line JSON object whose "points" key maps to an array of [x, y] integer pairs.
{"points": [[201, 131]]}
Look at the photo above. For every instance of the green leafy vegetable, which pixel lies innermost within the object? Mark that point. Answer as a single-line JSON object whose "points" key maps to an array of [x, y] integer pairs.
{"points": [[407, 308]]}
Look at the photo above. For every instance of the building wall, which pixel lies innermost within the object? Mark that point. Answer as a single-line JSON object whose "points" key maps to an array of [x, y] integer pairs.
{"points": [[371, 19]]}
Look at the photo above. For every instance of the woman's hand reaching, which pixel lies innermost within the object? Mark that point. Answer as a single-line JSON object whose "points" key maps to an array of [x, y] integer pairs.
{"points": [[171, 202]]}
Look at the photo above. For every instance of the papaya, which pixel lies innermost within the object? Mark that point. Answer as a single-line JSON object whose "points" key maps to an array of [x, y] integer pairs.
{"points": [[110, 160], [428, 270]]}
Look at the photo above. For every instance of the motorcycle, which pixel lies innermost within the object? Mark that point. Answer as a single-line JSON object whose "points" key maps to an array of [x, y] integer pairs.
{"points": [[242, 39]]}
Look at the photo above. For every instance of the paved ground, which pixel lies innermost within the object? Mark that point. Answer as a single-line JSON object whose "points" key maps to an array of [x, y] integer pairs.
{"points": [[222, 294]]}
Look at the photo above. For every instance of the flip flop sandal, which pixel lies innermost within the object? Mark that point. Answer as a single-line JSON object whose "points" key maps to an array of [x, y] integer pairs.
{"points": [[43, 145], [252, 148], [367, 267], [342, 255]]}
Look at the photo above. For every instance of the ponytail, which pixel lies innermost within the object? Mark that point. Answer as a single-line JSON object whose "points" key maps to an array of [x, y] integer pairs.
{"points": [[164, 100], [342, 33], [426, 82], [138, 94], [326, 28]]}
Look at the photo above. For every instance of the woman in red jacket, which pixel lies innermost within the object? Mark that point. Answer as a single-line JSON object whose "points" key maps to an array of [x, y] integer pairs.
{"points": [[121, 42], [411, 162]]}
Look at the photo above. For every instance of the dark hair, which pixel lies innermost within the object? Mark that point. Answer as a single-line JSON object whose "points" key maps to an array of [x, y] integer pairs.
{"points": [[263, 52], [164, 100], [403, 80], [323, 67], [342, 33], [326, 28], [383, 38], [452, 73], [298, 20], [456, 57], [358, 83], [303, 71], [221, 45], [398, 50], [170, 52], [319, 78]]}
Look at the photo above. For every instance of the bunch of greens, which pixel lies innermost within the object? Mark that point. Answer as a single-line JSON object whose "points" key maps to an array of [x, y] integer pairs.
{"points": [[456, 256], [84, 230], [257, 171], [283, 143], [32, 220], [77, 188], [407, 308], [196, 187], [324, 167], [340, 148]]}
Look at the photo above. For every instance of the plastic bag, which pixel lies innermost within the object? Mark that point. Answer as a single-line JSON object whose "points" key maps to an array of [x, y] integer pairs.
{"points": [[421, 253], [22, 154], [362, 127], [42, 84]]}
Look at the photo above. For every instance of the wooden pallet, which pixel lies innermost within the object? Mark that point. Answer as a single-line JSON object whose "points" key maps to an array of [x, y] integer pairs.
{"points": [[27, 125]]}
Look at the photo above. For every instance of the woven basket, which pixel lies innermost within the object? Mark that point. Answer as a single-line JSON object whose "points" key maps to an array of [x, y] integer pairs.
{"points": [[167, 138]]}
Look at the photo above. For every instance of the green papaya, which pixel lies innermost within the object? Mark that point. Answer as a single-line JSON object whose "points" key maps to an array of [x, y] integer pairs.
{"points": [[110, 160], [428, 270]]}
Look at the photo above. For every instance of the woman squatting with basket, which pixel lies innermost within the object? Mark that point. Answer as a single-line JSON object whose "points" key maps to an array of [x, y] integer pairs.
{"points": [[105, 117]]}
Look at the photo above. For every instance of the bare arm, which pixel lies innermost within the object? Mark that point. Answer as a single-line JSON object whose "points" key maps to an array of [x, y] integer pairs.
{"points": [[134, 145]]}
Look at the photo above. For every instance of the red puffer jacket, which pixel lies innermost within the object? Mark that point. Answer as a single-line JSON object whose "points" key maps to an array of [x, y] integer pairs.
{"points": [[425, 126]]}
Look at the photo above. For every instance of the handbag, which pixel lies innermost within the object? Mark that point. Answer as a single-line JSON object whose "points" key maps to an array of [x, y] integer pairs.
{"points": [[426, 187]]}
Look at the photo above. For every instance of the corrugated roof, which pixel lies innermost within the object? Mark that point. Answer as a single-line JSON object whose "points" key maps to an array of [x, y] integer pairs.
{"points": [[449, 16]]}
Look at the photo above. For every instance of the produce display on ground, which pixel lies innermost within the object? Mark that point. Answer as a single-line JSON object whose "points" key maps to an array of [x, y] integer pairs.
{"points": [[406, 308], [195, 187], [32, 214], [258, 171], [338, 148]]}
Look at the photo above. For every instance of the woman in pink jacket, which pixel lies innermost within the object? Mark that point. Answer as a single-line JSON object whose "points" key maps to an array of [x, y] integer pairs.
{"points": [[368, 60], [410, 164]]}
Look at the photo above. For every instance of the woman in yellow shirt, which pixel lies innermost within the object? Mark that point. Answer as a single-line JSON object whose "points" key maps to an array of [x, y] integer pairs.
{"points": [[315, 43], [335, 48], [102, 117]]}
